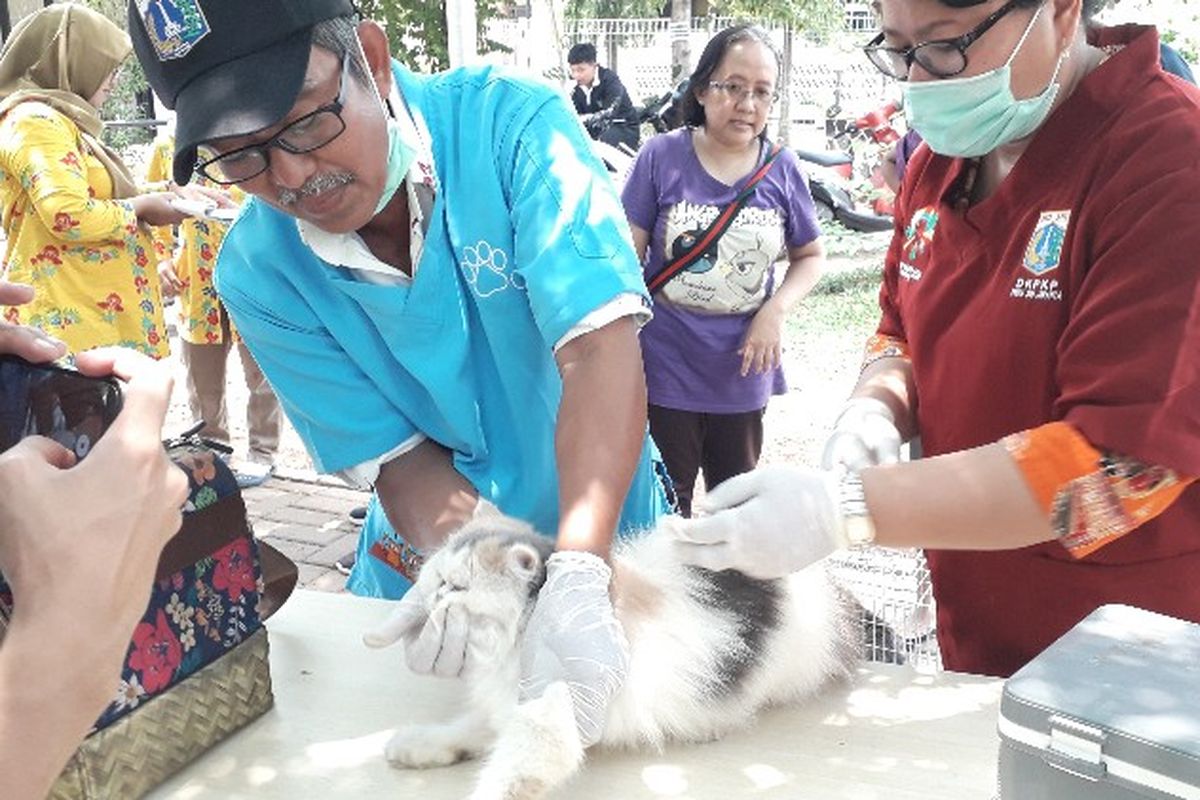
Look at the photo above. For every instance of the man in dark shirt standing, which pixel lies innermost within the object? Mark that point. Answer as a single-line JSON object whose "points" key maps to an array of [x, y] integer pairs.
{"points": [[601, 100]]}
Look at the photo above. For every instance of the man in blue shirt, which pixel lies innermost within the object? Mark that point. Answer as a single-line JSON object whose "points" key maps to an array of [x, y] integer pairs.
{"points": [[435, 276]]}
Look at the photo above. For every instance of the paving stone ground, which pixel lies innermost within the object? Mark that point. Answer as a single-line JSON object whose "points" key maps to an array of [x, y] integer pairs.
{"points": [[309, 520]]}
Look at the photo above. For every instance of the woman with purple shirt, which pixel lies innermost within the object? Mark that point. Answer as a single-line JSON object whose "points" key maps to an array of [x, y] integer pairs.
{"points": [[713, 350]]}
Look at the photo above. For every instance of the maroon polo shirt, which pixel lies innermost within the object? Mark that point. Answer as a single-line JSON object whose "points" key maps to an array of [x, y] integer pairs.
{"points": [[1069, 294]]}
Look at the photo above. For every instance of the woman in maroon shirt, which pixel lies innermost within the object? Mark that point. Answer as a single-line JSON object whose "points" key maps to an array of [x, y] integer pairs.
{"points": [[1040, 332]]}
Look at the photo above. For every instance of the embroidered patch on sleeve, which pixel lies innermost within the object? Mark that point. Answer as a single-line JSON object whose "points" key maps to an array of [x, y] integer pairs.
{"points": [[881, 346], [399, 555], [1091, 497]]}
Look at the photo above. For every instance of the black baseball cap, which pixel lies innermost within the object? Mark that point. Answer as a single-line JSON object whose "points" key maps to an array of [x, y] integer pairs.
{"points": [[227, 67]]}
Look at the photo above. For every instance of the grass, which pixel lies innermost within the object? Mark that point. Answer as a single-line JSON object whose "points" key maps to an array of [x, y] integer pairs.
{"points": [[845, 301]]}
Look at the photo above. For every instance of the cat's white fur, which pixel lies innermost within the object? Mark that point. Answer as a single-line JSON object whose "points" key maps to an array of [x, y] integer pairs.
{"points": [[680, 632]]}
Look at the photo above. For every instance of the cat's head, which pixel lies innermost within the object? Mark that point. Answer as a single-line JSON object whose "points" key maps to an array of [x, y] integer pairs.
{"points": [[495, 565]]}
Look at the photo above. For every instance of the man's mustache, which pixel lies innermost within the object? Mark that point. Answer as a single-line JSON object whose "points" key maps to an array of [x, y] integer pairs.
{"points": [[314, 186]]}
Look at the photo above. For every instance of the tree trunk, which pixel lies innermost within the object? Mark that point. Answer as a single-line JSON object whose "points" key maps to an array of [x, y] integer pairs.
{"points": [[681, 48], [785, 84]]}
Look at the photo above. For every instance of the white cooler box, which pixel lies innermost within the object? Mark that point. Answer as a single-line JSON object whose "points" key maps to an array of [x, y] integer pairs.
{"points": [[1110, 711]]}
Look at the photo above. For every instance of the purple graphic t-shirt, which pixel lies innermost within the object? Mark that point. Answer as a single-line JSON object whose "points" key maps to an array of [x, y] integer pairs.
{"points": [[701, 316]]}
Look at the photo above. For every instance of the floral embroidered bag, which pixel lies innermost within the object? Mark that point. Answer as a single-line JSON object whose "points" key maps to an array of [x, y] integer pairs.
{"points": [[197, 668]]}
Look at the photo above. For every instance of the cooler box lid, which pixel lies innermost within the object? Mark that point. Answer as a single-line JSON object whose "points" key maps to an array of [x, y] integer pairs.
{"points": [[1115, 698]]}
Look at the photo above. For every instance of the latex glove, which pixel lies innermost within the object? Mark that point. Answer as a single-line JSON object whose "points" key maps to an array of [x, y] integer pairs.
{"points": [[767, 523], [573, 636], [865, 435], [439, 642]]}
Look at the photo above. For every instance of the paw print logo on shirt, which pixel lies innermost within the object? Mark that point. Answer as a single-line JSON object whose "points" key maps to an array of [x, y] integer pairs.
{"points": [[486, 268]]}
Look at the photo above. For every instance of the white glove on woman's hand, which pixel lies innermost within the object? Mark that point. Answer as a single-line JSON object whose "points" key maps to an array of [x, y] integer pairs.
{"points": [[767, 523], [573, 636], [865, 435]]}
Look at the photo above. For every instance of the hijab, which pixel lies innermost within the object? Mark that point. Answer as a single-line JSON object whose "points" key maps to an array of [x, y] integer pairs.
{"points": [[60, 56]]}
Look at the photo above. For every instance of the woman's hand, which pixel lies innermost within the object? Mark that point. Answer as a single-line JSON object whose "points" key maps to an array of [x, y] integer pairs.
{"points": [[169, 279], [155, 208], [205, 194], [762, 349]]}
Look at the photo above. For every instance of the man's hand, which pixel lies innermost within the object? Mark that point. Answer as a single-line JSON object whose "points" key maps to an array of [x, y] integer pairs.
{"points": [[865, 435], [445, 640], [573, 636], [766, 523], [94, 529]]}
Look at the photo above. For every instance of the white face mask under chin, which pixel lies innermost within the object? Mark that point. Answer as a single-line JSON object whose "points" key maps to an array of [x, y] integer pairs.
{"points": [[400, 156]]}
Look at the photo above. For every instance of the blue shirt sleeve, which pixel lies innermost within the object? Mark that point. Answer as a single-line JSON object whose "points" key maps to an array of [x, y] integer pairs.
{"points": [[572, 242], [339, 412]]}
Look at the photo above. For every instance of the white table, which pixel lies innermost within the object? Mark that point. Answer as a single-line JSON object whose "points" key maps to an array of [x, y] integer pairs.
{"points": [[890, 733]]}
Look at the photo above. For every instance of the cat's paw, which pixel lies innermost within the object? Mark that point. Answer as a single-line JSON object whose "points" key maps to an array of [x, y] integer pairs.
{"points": [[415, 748]]}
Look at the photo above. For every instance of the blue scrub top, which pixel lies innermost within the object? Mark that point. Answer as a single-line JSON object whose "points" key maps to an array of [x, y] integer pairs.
{"points": [[526, 237]]}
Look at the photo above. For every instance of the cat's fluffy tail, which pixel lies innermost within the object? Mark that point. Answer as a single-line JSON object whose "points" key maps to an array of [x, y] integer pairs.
{"points": [[537, 750]]}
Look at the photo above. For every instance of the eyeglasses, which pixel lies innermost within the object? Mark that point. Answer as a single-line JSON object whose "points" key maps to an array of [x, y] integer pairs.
{"points": [[941, 58], [311, 132], [737, 92]]}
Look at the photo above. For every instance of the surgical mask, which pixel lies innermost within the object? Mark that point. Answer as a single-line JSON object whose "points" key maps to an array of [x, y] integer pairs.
{"points": [[402, 151], [970, 117]]}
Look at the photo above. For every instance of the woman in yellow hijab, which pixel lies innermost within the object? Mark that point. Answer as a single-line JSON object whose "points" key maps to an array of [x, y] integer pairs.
{"points": [[73, 216]]}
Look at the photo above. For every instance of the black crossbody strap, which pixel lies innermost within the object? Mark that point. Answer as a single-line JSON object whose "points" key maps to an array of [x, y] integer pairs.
{"points": [[716, 228]]}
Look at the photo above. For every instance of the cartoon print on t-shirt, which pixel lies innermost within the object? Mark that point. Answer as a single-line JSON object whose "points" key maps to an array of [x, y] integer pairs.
{"points": [[685, 242], [733, 275], [748, 270]]}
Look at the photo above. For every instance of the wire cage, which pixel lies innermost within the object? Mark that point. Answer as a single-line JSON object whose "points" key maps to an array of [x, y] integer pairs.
{"points": [[898, 614]]}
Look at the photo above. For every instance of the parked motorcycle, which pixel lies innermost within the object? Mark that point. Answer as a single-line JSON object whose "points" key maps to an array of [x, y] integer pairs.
{"points": [[829, 180], [829, 172], [869, 138]]}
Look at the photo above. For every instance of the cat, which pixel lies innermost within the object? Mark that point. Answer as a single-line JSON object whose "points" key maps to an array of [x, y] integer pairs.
{"points": [[708, 651]]}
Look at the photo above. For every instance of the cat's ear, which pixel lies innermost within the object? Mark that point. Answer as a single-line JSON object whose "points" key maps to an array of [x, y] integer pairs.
{"points": [[524, 561]]}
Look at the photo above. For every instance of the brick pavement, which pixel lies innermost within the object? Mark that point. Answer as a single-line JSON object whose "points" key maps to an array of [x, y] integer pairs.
{"points": [[307, 518]]}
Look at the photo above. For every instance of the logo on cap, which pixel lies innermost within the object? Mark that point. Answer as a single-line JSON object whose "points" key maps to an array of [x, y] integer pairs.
{"points": [[173, 26]]}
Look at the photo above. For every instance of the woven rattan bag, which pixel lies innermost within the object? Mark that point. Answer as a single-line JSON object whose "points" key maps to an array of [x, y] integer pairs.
{"points": [[197, 668]]}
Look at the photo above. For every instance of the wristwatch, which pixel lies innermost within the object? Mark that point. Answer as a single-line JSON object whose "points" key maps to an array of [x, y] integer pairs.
{"points": [[856, 518]]}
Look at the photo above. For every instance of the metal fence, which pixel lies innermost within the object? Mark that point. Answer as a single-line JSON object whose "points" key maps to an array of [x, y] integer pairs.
{"points": [[825, 80], [899, 617]]}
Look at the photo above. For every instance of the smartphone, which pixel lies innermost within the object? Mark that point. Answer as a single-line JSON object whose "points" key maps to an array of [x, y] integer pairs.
{"points": [[69, 407], [205, 209]]}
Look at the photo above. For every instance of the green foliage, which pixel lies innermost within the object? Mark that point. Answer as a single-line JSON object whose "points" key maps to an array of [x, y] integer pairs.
{"points": [[615, 9], [417, 30], [817, 19]]}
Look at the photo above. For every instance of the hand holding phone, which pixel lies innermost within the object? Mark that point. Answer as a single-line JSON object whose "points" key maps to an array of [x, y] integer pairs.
{"points": [[61, 404], [205, 209]]}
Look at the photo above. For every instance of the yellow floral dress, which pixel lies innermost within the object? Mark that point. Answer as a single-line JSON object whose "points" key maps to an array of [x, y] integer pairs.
{"points": [[84, 253], [195, 256]]}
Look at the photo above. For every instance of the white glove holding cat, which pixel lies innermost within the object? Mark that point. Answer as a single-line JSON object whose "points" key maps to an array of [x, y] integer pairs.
{"points": [[434, 644], [767, 523], [573, 636], [864, 435]]}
